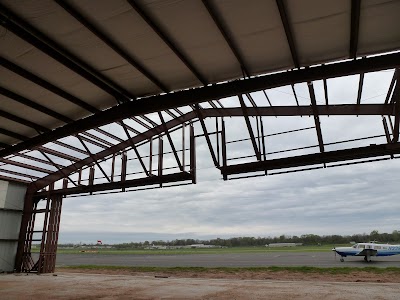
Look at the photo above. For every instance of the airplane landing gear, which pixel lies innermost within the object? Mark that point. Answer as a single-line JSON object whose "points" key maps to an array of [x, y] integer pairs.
{"points": [[367, 259], [341, 259]]}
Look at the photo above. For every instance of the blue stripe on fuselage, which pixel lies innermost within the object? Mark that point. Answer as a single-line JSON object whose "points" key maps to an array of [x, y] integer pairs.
{"points": [[379, 253]]}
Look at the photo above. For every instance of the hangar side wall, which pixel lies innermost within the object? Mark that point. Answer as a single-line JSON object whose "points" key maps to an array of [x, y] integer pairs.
{"points": [[11, 207]]}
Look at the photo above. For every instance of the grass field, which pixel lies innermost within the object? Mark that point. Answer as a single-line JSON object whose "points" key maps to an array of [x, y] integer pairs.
{"points": [[323, 248]]}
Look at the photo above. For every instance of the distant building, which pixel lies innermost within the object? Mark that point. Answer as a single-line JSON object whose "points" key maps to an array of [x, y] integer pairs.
{"points": [[193, 246], [201, 246], [283, 245]]}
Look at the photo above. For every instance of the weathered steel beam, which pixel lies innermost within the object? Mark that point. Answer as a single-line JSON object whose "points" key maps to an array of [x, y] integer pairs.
{"points": [[30, 34], [313, 159], [316, 116], [58, 153], [26, 166], [45, 84], [23, 121], [19, 174], [182, 176], [353, 109], [171, 143], [228, 38], [249, 128], [91, 155], [199, 114], [188, 97], [134, 149], [167, 41], [288, 32], [326, 92], [338, 110], [6, 178], [354, 29], [109, 42], [360, 88], [396, 100], [394, 79], [18, 98], [43, 182]]}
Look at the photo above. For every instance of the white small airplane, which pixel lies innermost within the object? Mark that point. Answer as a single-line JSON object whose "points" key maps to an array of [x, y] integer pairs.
{"points": [[367, 250]]}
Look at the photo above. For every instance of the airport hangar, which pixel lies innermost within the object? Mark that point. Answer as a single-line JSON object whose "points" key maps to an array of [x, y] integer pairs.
{"points": [[111, 96]]}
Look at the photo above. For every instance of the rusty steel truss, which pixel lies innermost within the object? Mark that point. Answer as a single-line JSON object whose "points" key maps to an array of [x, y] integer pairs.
{"points": [[150, 142]]}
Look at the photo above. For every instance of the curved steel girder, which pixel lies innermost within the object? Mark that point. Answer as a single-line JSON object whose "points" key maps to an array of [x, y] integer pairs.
{"points": [[193, 96], [365, 109]]}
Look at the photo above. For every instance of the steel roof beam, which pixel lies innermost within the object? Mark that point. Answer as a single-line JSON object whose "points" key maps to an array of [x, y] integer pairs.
{"points": [[23, 121], [98, 139], [34, 105], [288, 32], [46, 85], [13, 134], [228, 38], [4, 145], [109, 135], [26, 166], [70, 147], [167, 40], [306, 110], [6, 178], [19, 174], [43, 182], [93, 142], [58, 153], [39, 160], [52, 88], [49, 112], [152, 180], [368, 109], [354, 29], [80, 18], [57, 167], [313, 159], [192, 96], [30, 34]]}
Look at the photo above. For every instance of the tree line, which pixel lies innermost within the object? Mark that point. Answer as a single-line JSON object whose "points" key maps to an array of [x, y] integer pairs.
{"points": [[305, 239]]}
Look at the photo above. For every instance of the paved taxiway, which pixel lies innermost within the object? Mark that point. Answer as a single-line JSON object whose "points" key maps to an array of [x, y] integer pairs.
{"points": [[313, 259]]}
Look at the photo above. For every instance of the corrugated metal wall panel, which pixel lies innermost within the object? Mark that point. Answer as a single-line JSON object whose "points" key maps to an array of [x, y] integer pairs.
{"points": [[11, 205]]}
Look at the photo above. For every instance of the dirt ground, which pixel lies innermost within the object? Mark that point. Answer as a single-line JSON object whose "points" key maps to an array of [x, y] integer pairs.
{"points": [[356, 276], [105, 286]]}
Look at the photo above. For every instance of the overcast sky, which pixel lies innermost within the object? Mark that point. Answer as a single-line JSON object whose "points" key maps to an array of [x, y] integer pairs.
{"points": [[340, 200]]}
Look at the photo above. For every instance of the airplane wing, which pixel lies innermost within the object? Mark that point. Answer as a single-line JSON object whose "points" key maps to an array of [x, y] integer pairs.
{"points": [[365, 252]]}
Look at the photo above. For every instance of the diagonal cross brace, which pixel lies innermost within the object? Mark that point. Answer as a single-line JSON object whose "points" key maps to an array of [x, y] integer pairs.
{"points": [[316, 116], [249, 128], [170, 141], [203, 126]]}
